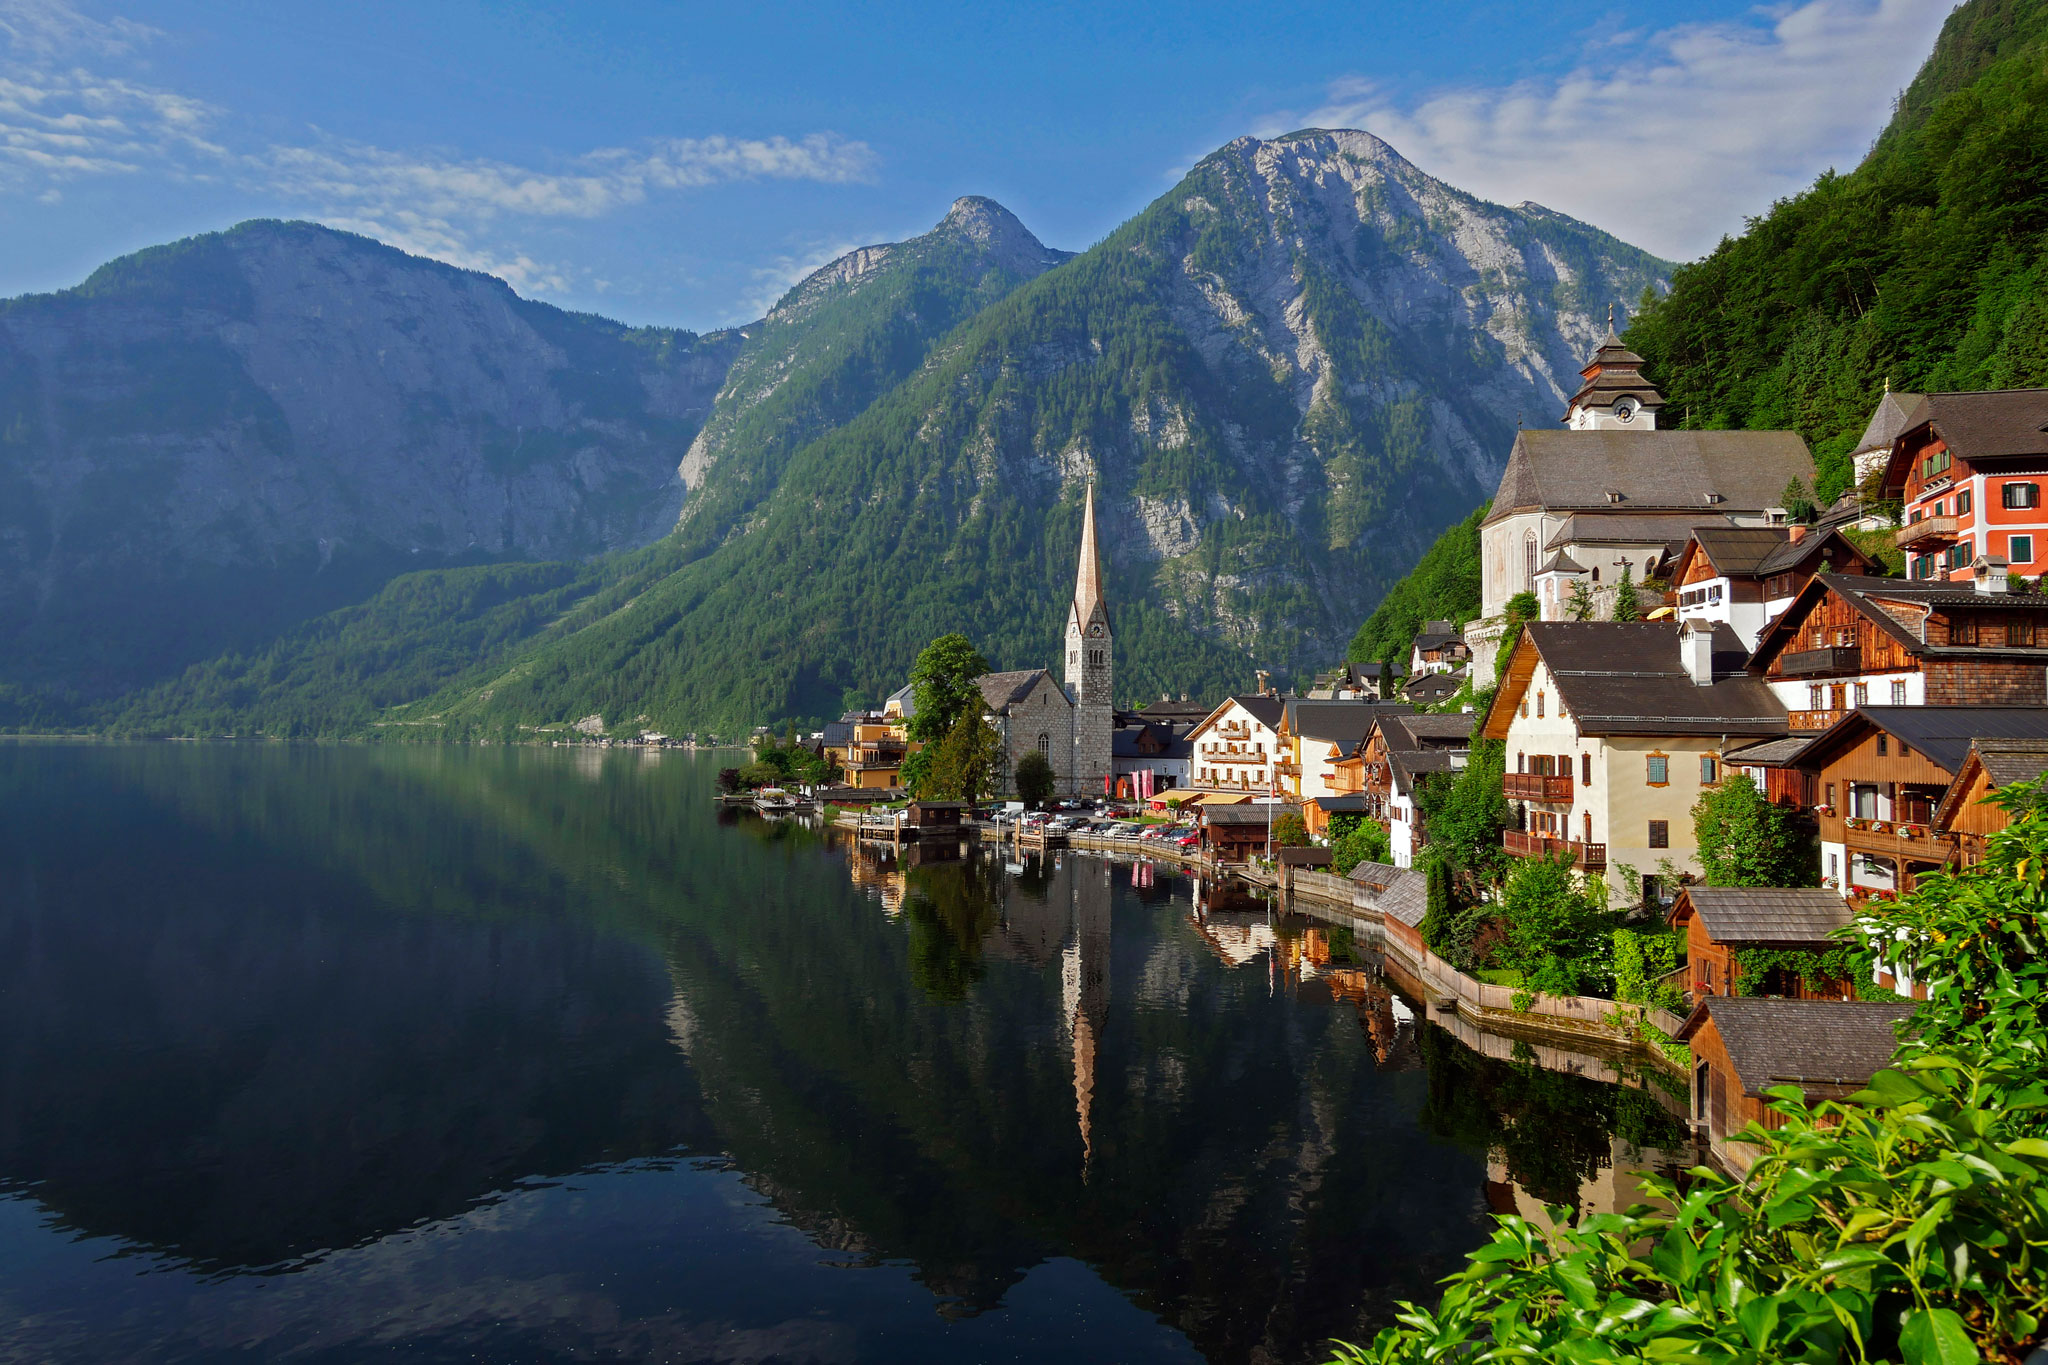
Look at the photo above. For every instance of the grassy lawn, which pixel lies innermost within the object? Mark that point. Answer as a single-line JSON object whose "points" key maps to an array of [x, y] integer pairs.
{"points": [[1499, 976]]}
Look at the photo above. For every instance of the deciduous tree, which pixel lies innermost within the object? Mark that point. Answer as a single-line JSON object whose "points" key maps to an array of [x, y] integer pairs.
{"points": [[1745, 840]]}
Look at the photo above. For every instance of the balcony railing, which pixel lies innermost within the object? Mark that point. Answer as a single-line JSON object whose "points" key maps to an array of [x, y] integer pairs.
{"points": [[1813, 720], [1591, 857], [1537, 787], [1834, 659], [875, 756], [1909, 840], [1926, 529]]}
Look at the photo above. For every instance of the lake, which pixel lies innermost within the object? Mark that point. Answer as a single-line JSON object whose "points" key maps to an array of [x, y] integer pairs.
{"points": [[534, 1054]]}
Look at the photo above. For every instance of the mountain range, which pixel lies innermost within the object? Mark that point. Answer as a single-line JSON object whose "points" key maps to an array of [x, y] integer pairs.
{"points": [[283, 479]]}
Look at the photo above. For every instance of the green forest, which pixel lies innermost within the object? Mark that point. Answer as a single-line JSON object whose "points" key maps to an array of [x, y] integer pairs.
{"points": [[1925, 266]]}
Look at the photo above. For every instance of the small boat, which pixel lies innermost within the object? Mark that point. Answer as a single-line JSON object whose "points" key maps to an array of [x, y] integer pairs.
{"points": [[774, 800]]}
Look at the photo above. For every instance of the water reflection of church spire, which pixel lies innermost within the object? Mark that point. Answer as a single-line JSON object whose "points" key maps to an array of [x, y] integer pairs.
{"points": [[1084, 987]]}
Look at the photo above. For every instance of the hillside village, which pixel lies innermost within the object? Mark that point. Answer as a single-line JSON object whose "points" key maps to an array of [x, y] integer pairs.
{"points": [[1668, 646]]}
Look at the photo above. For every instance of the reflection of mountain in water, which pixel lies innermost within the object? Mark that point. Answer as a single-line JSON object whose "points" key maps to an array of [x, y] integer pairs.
{"points": [[436, 973]]}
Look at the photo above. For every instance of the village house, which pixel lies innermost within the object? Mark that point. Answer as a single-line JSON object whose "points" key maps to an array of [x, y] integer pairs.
{"points": [[1148, 756], [1881, 772], [1383, 769], [1613, 492], [875, 749], [1849, 641], [1743, 1046], [1438, 648], [1314, 736], [1238, 833], [1237, 746], [1434, 689], [1352, 682], [1968, 814], [1969, 471], [1748, 575], [1612, 731], [1400, 895], [1721, 921]]}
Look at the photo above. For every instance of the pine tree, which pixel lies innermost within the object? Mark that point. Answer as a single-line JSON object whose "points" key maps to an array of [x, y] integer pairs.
{"points": [[1626, 608]]}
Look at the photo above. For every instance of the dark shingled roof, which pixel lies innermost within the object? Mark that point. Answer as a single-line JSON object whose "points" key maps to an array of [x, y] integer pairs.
{"points": [[1001, 689], [1335, 722], [1430, 688], [1830, 545], [1245, 813], [1766, 914], [1426, 730], [1399, 893], [1811, 1043], [1626, 678], [1771, 753], [1338, 805], [1265, 710], [1988, 424], [2012, 760], [1129, 741], [1561, 563], [1739, 550], [1405, 765], [1651, 470], [1304, 857], [1895, 415], [837, 734], [1942, 733], [1914, 597]]}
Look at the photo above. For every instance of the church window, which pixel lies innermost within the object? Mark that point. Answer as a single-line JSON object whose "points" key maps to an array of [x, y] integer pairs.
{"points": [[1529, 557], [1045, 745]]}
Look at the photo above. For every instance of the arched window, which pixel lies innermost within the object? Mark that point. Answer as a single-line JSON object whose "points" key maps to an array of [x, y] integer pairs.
{"points": [[1045, 745], [1528, 559]]}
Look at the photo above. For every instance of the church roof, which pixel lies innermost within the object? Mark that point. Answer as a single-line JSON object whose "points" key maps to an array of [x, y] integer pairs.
{"points": [[1633, 472], [1613, 373], [1894, 416], [1561, 563], [1002, 690]]}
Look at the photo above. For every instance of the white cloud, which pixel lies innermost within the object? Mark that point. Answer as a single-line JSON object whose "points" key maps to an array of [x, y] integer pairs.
{"points": [[61, 121], [779, 276], [1665, 139]]}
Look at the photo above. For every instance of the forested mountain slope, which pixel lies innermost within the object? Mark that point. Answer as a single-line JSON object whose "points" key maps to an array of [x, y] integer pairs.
{"points": [[1926, 265], [209, 441], [1284, 377], [839, 339]]}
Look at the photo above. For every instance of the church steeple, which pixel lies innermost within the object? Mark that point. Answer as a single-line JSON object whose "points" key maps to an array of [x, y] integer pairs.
{"points": [[1089, 666], [1613, 392]]}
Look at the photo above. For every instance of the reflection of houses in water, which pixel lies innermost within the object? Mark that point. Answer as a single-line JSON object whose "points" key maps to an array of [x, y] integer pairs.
{"points": [[1616, 1186], [881, 876]]}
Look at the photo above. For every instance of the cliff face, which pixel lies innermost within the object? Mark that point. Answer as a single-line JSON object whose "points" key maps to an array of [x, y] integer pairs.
{"points": [[210, 440]]}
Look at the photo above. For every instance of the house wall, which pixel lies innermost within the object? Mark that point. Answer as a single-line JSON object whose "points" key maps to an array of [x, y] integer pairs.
{"points": [[1232, 750], [1718, 1102]]}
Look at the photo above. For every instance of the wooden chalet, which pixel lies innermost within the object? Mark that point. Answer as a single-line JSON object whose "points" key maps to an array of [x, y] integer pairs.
{"points": [[1239, 833], [1743, 1046], [1746, 575], [1719, 921], [1967, 815], [1848, 641], [1881, 772]]}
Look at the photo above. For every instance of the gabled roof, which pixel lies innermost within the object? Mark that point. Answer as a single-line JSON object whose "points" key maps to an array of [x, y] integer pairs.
{"points": [[1651, 471], [2000, 762], [1627, 678], [1159, 740], [1737, 551], [1764, 914], [1561, 563], [1399, 893], [1816, 1044], [1265, 710], [1000, 690], [1425, 730], [1336, 722], [1769, 753], [1829, 545], [1406, 765], [1988, 424], [1245, 813], [1942, 733], [1909, 601], [1429, 688]]}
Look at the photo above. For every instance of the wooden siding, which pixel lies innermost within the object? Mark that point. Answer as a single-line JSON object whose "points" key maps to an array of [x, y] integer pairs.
{"points": [[1724, 1109], [1986, 682], [1830, 622]]}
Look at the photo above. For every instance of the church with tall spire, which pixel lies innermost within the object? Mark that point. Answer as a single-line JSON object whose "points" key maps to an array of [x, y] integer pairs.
{"points": [[1070, 725]]}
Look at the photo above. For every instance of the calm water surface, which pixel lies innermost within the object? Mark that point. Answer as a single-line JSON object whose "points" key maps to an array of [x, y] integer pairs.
{"points": [[521, 1055]]}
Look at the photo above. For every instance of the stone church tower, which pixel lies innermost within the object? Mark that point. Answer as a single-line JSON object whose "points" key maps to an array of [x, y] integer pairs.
{"points": [[1089, 645]]}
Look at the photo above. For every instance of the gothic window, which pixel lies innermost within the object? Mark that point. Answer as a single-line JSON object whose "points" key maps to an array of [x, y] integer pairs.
{"points": [[1045, 745], [1529, 557]]}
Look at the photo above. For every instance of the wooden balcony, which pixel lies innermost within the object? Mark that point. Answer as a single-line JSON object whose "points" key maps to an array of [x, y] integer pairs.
{"points": [[1834, 659], [1589, 857], [1927, 530], [1813, 720], [1537, 787], [1902, 842]]}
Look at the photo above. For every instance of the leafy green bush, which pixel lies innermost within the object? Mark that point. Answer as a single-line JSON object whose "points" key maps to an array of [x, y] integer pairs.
{"points": [[1640, 961], [1908, 1223]]}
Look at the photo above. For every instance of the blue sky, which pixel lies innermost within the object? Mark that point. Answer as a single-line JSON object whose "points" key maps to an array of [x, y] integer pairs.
{"points": [[683, 163]]}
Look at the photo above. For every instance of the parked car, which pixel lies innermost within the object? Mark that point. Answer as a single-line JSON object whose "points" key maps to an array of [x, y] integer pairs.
{"points": [[1189, 838]]}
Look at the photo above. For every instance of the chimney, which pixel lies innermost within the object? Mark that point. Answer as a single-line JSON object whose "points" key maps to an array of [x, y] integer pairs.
{"points": [[1264, 690], [1992, 574], [1798, 533], [1696, 652]]}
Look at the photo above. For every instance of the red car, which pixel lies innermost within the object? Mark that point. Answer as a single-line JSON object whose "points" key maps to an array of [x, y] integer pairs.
{"points": [[1191, 839]]}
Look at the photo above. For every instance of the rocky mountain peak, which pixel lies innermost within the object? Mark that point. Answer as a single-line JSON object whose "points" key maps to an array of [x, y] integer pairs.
{"points": [[996, 231]]}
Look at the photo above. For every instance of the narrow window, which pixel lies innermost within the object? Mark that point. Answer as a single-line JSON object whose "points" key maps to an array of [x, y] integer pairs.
{"points": [[1883, 746], [1529, 558], [1539, 705], [1045, 745], [1963, 503], [1710, 770], [1863, 694], [1659, 774], [2019, 631], [1660, 834], [1898, 691], [2021, 494], [2019, 549], [1586, 771], [1813, 698], [1962, 629]]}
